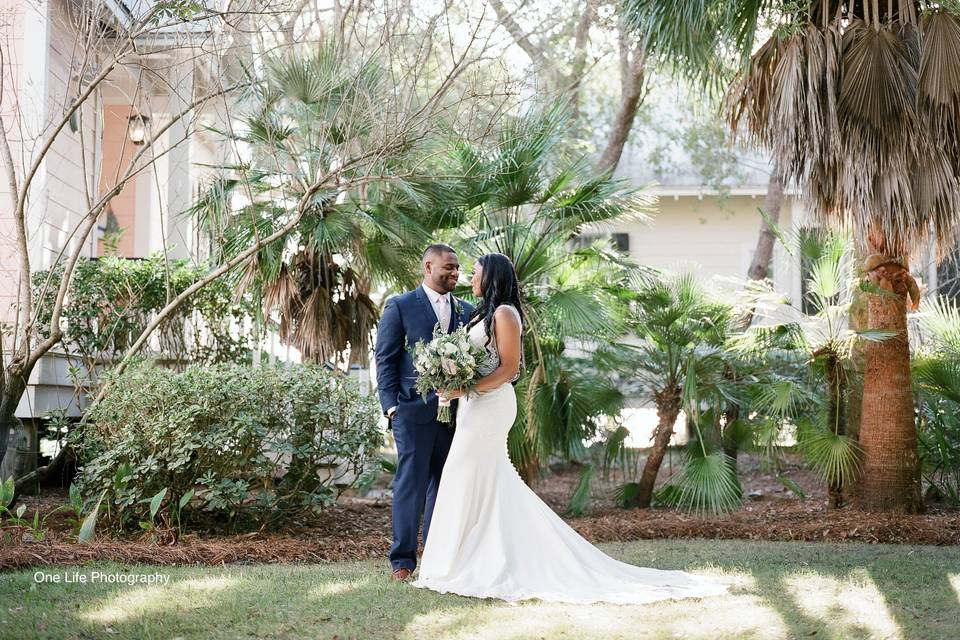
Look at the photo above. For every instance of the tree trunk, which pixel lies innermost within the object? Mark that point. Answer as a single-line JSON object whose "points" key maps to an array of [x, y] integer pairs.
{"points": [[632, 81], [855, 364], [11, 393], [668, 408], [22, 450], [758, 270], [835, 416], [767, 240], [731, 414], [772, 203], [888, 436], [64, 463]]}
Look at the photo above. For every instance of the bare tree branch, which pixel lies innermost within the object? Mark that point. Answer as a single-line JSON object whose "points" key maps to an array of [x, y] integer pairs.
{"points": [[633, 69]]}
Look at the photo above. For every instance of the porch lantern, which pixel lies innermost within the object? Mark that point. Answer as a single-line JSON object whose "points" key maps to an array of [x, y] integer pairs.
{"points": [[138, 128]]}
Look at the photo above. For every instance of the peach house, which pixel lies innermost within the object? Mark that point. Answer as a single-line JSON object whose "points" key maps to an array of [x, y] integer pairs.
{"points": [[44, 60]]}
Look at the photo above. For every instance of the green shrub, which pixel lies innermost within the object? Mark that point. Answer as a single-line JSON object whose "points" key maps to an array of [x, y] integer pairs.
{"points": [[938, 422], [112, 299], [252, 444]]}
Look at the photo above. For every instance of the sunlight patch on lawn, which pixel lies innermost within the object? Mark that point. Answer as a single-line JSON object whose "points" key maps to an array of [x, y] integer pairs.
{"points": [[852, 606], [737, 580], [336, 588], [735, 616], [187, 594]]}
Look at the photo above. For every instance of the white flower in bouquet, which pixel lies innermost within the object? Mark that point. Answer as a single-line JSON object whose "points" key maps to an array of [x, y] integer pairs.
{"points": [[447, 362]]}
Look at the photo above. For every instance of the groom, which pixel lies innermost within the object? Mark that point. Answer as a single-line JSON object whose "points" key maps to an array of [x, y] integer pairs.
{"points": [[422, 441]]}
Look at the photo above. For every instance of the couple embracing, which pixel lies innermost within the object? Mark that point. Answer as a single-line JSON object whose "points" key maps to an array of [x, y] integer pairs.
{"points": [[490, 535]]}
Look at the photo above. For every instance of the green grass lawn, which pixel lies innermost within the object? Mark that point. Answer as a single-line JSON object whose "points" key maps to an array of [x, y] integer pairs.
{"points": [[782, 590]]}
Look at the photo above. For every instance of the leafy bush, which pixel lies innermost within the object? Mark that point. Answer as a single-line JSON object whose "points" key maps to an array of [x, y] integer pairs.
{"points": [[938, 430], [112, 299], [262, 443], [936, 375]]}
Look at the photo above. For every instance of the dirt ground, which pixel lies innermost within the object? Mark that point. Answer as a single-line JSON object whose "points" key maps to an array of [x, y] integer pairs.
{"points": [[359, 528]]}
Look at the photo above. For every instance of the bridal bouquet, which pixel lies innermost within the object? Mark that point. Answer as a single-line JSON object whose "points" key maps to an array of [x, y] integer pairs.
{"points": [[449, 361]]}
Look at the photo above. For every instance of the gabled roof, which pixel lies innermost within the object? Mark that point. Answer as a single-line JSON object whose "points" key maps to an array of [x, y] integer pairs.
{"points": [[125, 12]]}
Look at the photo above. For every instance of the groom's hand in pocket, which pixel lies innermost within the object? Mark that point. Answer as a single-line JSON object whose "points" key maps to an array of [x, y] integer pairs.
{"points": [[391, 414]]}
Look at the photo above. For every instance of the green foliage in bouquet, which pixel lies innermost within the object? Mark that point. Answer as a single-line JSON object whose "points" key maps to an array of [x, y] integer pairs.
{"points": [[449, 361]]}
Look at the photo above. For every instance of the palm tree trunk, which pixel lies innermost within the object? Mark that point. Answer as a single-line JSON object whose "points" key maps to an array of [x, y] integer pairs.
{"points": [[888, 436], [835, 416], [668, 408], [730, 448], [855, 364]]}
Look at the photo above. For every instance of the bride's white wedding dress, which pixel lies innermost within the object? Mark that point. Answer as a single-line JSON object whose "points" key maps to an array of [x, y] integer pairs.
{"points": [[492, 537]]}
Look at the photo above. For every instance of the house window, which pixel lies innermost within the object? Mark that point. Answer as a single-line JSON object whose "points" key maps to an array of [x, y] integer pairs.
{"points": [[622, 242]]}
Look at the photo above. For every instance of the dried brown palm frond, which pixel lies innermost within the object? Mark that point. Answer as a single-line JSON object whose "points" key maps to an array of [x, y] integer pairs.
{"points": [[282, 294], [313, 330], [249, 277], [336, 315], [862, 110], [938, 85]]}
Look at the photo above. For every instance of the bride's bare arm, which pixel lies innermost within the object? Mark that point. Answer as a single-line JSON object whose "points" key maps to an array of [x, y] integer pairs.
{"points": [[508, 345]]}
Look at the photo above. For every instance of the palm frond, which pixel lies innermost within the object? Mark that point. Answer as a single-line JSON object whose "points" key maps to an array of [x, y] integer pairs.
{"points": [[626, 494], [940, 317], [835, 457], [580, 496], [707, 484], [938, 376]]}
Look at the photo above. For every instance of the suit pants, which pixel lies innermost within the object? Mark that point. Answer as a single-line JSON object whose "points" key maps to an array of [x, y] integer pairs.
{"points": [[421, 452]]}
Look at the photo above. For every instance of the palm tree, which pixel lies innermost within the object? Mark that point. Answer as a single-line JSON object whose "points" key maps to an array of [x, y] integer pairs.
{"points": [[819, 336], [682, 366], [312, 112], [858, 103], [520, 199]]}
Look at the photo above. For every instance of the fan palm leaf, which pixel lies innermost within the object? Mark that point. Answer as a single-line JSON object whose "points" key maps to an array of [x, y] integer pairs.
{"points": [[707, 483], [519, 198]]}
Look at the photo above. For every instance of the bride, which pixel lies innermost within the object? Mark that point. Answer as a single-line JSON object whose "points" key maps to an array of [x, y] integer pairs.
{"points": [[491, 535]]}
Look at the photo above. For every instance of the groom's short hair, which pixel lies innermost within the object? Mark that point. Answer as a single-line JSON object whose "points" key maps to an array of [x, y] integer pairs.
{"points": [[436, 250]]}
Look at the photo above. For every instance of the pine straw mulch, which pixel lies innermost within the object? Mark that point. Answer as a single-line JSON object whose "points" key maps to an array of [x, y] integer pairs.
{"points": [[358, 528]]}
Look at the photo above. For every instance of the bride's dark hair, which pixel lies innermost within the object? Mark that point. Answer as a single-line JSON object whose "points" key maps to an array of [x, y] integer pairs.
{"points": [[499, 285]]}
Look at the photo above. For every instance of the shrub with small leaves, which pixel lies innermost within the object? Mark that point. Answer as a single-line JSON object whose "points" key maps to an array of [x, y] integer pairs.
{"points": [[112, 299], [253, 444]]}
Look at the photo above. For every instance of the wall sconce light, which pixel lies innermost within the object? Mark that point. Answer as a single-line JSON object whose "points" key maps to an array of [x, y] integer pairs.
{"points": [[138, 128]]}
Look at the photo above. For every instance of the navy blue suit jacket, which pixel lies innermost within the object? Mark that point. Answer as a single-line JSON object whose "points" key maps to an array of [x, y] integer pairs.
{"points": [[408, 319]]}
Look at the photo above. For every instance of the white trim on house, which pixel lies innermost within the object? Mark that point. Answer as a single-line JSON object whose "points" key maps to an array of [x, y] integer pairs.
{"points": [[33, 108], [678, 191]]}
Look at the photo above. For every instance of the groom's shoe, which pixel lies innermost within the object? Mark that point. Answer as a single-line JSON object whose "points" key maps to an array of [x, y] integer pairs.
{"points": [[401, 575]]}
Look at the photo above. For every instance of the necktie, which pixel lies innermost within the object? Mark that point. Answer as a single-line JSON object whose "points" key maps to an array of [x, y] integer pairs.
{"points": [[443, 312]]}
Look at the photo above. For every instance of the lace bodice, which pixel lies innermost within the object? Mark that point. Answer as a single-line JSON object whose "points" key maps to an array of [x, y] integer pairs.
{"points": [[478, 336]]}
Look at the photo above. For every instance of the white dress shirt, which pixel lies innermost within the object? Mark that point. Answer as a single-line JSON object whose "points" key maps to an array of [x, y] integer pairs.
{"points": [[441, 304]]}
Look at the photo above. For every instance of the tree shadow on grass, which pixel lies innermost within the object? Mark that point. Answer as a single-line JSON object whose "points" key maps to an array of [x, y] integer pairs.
{"points": [[922, 597], [858, 591], [781, 590]]}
